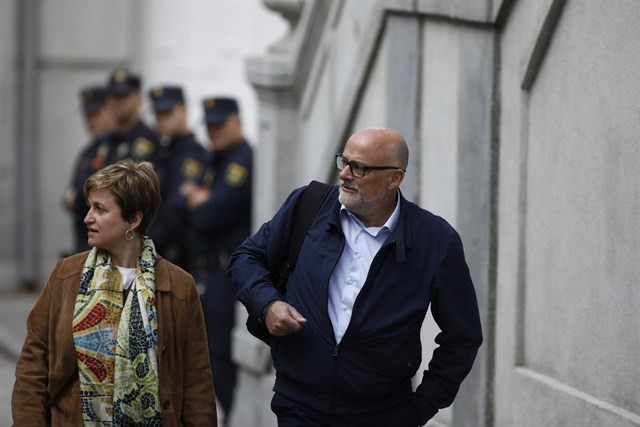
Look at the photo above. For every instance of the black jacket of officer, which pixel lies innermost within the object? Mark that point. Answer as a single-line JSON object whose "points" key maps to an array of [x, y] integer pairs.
{"points": [[221, 220], [92, 157], [133, 138], [219, 214], [186, 163]]}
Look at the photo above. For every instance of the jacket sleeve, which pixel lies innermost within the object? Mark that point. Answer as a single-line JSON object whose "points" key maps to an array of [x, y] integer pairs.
{"points": [[217, 213], [30, 396], [168, 227], [199, 400], [455, 309], [250, 265]]}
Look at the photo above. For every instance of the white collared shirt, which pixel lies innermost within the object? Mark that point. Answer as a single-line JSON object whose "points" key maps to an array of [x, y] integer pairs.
{"points": [[361, 246]]}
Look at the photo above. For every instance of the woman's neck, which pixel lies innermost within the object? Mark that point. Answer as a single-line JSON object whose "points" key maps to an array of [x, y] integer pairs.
{"points": [[127, 255]]}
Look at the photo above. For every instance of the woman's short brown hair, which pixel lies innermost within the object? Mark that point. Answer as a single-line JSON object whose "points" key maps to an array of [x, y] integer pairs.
{"points": [[135, 187]]}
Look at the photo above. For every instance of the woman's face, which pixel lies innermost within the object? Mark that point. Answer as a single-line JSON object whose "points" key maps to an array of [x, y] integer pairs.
{"points": [[104, 221]]}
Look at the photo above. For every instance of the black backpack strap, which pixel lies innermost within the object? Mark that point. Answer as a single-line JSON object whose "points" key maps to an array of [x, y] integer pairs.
{"points": [[306, 210]]}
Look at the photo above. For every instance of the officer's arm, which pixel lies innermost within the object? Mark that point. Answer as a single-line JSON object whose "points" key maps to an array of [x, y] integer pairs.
{"points": [[29, 402], [455, 310], [219, 211], [251, 263], [168, 226]]}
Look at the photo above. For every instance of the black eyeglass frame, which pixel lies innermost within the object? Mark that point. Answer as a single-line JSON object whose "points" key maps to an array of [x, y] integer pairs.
{"points": [[364, 167]]}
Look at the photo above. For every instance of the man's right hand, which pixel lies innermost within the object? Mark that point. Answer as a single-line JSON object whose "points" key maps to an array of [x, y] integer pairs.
{"points": [[282, 319]]}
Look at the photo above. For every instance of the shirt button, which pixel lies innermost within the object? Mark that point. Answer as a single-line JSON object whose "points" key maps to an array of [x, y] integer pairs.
{"points": [[166, 404], [344, 308]]}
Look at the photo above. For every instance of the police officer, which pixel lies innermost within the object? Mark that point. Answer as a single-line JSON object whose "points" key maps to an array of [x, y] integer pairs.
{"points": [[186, 159], [99, 122], [219, 220], [134, 138]]}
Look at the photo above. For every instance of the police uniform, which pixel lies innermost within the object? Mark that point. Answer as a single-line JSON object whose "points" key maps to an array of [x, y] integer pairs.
{"points": [[215, 229], [186, 160], [91, 159], [140, 143]]}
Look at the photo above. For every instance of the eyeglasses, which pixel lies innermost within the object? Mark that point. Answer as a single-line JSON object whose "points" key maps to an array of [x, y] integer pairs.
{"points": [[359, 169]]}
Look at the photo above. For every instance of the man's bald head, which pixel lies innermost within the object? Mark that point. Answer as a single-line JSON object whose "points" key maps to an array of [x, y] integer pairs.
{"points": [[381, 156], [388, 143]]}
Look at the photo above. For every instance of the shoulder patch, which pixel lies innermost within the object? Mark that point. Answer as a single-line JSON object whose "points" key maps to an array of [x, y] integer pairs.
{"points": [[142, 148], [235, 175], [97, 163], [191, 169]]}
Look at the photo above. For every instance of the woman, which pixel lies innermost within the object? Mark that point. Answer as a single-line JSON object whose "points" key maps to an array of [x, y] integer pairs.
{"points": [[117, 337]]}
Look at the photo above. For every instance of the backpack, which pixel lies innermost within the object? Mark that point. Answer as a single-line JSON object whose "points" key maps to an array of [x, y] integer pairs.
{"points": [[305, 211]]}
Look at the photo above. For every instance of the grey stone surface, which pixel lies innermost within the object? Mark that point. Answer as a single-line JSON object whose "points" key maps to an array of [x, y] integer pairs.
{"points": [[568, 199], [7, 366], [471, 10], [579, 207], [14, 309], [8, 167], [60, 133], [473, 199], [403, 92], [564, 182], [86, 25]]}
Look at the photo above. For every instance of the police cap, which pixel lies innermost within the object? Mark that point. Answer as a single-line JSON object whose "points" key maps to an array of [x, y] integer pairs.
{"points": [[93, 97], [166, 97], [122, 82], [216, 110]]}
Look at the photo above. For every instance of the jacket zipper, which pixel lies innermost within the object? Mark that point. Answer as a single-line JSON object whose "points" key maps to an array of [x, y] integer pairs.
{"points": [[336, 348], [336, 352]]}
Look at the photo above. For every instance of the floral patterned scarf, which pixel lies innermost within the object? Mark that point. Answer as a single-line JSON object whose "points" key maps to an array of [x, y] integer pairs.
{"points": [[116, 342]]}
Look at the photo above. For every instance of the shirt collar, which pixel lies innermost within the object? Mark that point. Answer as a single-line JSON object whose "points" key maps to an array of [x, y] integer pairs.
{"points": [[388, 226]]}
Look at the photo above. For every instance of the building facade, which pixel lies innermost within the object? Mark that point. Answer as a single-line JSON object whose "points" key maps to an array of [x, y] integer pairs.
{"points": [[523, 123]]}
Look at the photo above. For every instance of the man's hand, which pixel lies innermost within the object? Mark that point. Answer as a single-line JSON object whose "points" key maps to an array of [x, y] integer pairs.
{"points": [[195, 195], [70, 199], [282, 319]]}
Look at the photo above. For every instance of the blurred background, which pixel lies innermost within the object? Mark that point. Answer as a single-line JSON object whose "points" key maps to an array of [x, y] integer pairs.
{"points": [[523, 122]]}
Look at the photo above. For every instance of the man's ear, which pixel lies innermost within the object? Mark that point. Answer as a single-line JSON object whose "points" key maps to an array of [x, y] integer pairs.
{"points": [[396, 179]]}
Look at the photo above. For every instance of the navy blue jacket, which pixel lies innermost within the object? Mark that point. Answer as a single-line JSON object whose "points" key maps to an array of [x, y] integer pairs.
{"points": [[186, 162], [421, 263], [90, 160], [141, 143], [221, 223]]}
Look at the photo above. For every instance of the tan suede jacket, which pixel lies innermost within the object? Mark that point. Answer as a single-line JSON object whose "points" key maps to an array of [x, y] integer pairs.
{"points": [[47, 389]]}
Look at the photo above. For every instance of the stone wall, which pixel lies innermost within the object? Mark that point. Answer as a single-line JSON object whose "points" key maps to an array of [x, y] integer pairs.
{"points": [[523, 122]]}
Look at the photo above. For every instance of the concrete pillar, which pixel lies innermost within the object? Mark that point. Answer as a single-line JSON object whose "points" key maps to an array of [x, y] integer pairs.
{"points": [[8, 160]]}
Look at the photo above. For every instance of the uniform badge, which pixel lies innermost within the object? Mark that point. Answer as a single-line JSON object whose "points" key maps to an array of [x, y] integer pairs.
{"points": [[103, 150], [142, 148], [122, 150], [209, 103], [97, 163], [235, 175], [157, 92], [190, 169], [120, 76], [87, 95]]}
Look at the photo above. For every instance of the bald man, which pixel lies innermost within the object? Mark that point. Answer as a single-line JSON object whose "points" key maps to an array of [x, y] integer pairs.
{"points": [[346, 336]]}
